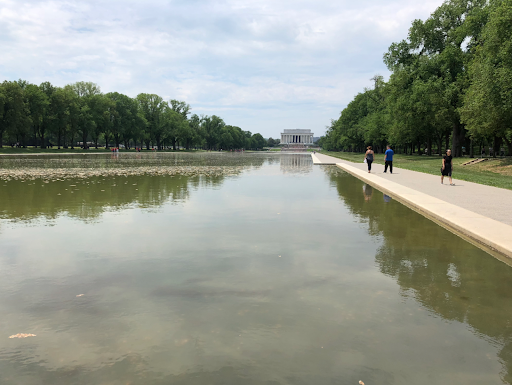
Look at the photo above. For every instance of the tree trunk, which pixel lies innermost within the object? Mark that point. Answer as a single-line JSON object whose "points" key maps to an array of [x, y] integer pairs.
{"points": [[43, 143], [508, 142], [496, 145], [471, 154], [457, 138]]}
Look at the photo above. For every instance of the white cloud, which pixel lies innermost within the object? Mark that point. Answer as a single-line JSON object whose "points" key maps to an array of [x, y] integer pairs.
{"points": [[263, 65]]}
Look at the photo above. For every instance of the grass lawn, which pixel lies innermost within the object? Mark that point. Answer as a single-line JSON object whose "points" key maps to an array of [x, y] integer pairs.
{"points": [[77, 150], [494, 172]]}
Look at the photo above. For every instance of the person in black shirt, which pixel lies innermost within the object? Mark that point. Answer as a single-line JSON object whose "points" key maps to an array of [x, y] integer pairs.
{"points": [[369, 158], [446, 170]]}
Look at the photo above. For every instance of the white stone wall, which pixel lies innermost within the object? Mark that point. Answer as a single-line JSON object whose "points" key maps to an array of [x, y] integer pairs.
{"points": [[296, 138]]}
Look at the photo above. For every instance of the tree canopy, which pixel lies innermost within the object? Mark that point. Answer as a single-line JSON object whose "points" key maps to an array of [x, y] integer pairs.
{"points": [[80, 114], [450, 86]]}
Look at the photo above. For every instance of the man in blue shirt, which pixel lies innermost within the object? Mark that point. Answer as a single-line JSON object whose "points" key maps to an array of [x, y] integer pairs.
{"points": [[388, 159]]}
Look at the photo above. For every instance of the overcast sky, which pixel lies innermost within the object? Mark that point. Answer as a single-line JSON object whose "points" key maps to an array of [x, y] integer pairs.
{"points": [[263, 65]]}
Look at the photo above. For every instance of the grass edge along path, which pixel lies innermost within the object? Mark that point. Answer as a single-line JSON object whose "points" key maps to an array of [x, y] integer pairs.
{"points": [[481, 173]]}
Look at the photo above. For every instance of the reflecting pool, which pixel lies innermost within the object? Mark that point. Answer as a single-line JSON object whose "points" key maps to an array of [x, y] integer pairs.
{"points": [[236, 269]]}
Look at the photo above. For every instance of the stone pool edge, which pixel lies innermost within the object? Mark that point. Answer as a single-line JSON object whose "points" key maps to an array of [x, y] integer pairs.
{"points": [[490, 235]]}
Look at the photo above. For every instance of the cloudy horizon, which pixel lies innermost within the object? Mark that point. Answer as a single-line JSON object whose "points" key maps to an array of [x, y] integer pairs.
{"points": [[261, 65]]}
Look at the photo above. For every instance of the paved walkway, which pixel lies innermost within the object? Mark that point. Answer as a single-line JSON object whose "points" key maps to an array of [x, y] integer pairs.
{"points": [[482, 213]]}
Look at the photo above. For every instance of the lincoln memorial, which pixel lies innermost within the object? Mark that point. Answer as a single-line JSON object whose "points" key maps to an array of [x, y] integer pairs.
{"points": [[297, 137]]}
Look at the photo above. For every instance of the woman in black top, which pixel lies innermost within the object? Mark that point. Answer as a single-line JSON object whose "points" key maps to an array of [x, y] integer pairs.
{"points": [[369, 157], [446, 170]]}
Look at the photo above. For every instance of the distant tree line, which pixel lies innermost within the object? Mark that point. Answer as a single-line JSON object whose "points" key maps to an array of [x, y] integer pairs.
{"points": [[451, 86], [273, 142], [81, 115]]}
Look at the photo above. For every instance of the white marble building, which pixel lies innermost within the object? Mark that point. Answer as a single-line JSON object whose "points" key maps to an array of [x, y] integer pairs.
{"points": [[297, 137]]}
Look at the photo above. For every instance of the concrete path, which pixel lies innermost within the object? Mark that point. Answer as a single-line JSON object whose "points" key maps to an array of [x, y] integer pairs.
{"points": [[481, 213]]}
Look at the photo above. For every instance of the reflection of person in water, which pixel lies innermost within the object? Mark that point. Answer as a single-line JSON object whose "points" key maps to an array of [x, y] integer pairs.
{"points": [[368, 192]]}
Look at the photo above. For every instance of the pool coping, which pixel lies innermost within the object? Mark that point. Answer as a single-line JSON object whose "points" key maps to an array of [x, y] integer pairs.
{"points": [[490, 235]]}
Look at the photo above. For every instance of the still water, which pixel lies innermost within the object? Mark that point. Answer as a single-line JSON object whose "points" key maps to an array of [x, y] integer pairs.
{"points": [[274, 272]]}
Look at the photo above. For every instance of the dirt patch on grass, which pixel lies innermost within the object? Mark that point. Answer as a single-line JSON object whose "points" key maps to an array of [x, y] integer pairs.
{"points": [[498, 166]]}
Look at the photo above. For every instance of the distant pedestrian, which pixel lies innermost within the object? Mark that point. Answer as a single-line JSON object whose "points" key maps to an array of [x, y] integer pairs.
{"points": [[388, 160], [446, 170], [369, 157]]}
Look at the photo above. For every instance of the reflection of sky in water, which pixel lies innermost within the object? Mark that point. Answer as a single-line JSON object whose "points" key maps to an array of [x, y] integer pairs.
{"points": [[269, 277]]}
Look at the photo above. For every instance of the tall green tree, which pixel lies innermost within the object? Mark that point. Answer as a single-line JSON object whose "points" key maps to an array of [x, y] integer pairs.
{"points": [[179, 130], [487, 109], [258, 142], [212, 128], [123, 115], [49, 117], [3, 99], [61, 109], [153, 108], [38, 103], [440, 47], [15, 119], [87, 94]]}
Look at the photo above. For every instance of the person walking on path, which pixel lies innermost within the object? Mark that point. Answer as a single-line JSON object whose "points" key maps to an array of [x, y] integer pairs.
{"points": [[369, 157], [388, 160], [446, 170]]}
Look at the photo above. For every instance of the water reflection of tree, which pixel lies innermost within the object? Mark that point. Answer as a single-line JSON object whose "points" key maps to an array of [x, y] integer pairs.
{"points": [[440, 270], [89, 198]]}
